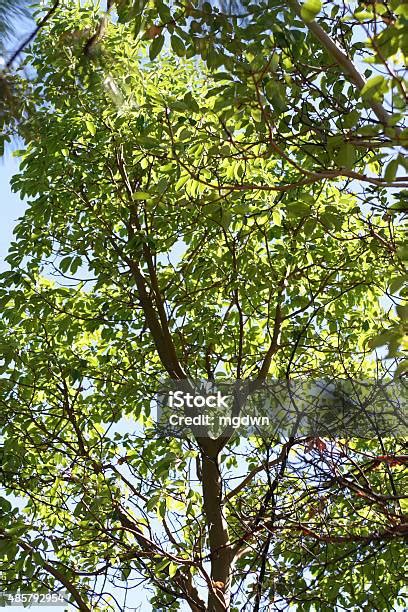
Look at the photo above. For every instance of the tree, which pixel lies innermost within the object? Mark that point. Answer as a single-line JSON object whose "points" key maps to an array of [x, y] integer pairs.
{"points": [[183, 222]]}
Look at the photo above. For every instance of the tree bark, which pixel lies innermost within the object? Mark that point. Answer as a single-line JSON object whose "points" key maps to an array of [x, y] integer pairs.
{"points": [[220, 550]]}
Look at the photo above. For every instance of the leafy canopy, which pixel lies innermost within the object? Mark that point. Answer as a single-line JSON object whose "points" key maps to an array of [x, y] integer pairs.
{"points": [[186, 221]]}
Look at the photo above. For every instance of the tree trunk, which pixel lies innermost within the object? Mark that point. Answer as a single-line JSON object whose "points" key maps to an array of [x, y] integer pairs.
{"points": [[218, 599]]}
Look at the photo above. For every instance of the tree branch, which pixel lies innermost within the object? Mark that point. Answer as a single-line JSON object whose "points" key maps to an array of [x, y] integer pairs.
{"points": [[342, 60]]}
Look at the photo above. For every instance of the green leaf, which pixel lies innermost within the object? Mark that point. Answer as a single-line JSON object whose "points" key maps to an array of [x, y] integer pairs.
{"points": [[256, 113], [277, 217], [298, 209], [402, 312], [373, 87], [182, 181], [65, 263], [330, 220], [147, 141], [90, 127], [17, 530], [174, 505], [191, 103], [126, 572], [156, 46], [141, 195], [178, 46], [162, 564], [402, 10], [391, 170], [346, 156], [381, 339], [161, 508], [276, 94], [173, 567], [5, 505], [402, 252], [5, 545], [309, 227], [309, 10], [396, 283], [351, 119]]}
